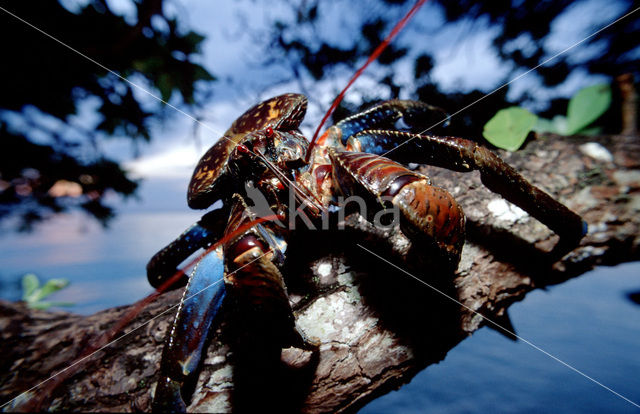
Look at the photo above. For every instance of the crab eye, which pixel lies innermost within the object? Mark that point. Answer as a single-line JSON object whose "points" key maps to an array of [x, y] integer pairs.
{"points": [[269, 132], [243, 149]]}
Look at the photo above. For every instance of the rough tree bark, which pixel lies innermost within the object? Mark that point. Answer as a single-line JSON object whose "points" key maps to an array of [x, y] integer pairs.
{"points": [[377, 326]]}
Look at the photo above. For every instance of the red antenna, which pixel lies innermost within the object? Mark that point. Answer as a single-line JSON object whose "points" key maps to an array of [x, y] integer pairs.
{"points": [[381, 47]]}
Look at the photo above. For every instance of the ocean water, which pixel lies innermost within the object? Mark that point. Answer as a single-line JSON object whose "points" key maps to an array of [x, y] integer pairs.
{"points": [[589, 322], [105, 267]]}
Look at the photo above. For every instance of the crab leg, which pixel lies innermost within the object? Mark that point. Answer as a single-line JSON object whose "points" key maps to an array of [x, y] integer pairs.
{"points": [[181, 355], [165, 263], [430, 215], [464, 155], [414, 115], [244, 266], [256, 285]]}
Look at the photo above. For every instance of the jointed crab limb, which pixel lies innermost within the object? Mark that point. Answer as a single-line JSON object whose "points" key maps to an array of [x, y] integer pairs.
{"points": [[430, 215], [244, 266], [165, 263], [415, 115], [181, 355], [256, 286], [464, 155], [412, 115]]}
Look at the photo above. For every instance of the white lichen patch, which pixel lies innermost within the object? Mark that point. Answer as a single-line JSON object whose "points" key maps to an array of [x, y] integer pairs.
{"points": [[215, 360], [327, 318], [346, 278], [596, 151], [627, 178], [583, 199], [505, 211], [353, 295], [220, 379], [474, 213], [356, 330], [586, 252], [324, 269], [634, 204], [476, 321], [215, 401], [379, 341], [595, 228], [318, 319], [470, 253], [149, 357], [381, 347]]}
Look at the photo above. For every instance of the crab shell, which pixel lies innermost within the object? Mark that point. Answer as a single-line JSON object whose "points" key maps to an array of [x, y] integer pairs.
{"points": [[282, 113]]}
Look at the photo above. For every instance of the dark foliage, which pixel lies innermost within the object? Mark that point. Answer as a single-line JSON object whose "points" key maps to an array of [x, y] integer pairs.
{"points": [[50, 161], [521, 29]]}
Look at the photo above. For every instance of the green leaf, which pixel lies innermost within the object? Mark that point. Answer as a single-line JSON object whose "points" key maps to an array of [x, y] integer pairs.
{"points": [[52, 285], [560, 124], [594, 130], [39, 305], [509, 128], [586, 106], [30, 283], [543, 125]]}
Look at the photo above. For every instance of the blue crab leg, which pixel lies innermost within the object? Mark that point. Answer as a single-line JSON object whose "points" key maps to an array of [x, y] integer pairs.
{"points": [[164, 264], [244, 266], [412, 115], [460, 154], [415, 115], [200, 304]]}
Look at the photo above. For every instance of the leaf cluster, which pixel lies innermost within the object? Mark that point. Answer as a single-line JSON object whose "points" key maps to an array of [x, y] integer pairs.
{"points": [[57, 107], [33, 294], [508, 128]]}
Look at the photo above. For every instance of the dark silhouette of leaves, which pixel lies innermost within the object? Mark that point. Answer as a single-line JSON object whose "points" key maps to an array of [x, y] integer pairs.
{"points": [[46, 84], [520, 30]]}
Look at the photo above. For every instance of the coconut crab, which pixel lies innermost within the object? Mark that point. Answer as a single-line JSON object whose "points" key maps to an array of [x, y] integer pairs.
{"points": [[264, 152]]}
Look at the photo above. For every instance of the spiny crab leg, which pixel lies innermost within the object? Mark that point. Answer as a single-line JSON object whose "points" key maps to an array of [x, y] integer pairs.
{"points": [[200, 304], [464, 155]]}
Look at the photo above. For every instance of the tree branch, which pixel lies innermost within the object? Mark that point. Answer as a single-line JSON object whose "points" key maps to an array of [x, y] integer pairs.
{"points": [[377, 325]]}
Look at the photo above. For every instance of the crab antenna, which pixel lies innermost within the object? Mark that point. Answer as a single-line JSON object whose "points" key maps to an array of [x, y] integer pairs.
{"points": [[381, 47]]}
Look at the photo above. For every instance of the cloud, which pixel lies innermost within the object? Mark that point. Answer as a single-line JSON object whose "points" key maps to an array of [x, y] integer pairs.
{"points": [[176, 161]]}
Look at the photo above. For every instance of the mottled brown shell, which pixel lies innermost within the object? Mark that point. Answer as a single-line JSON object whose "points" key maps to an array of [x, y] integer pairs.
{"points": [[282, 113]]}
